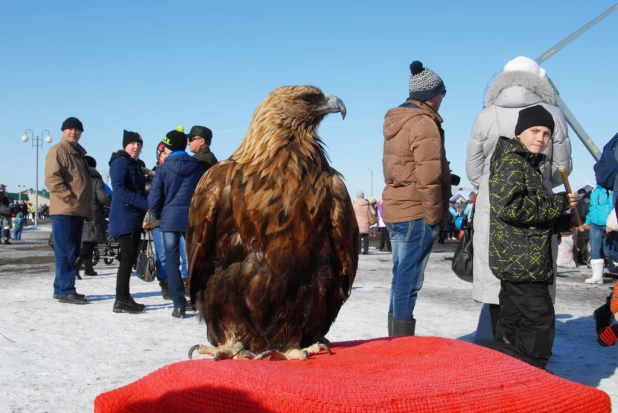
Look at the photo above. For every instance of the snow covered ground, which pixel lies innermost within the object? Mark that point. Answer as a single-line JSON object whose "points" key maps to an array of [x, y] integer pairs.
{"points": [[58, 357]]}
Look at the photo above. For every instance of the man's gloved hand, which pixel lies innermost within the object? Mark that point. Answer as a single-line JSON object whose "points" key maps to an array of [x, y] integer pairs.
{"points": [[455, 179]]}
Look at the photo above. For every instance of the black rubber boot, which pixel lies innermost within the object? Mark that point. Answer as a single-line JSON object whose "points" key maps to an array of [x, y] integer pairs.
{"points": [[179, 312], [403, 327], [390, 324]]}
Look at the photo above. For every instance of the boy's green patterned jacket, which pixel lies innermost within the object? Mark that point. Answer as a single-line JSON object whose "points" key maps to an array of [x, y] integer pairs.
{"points": [[523, 215]]}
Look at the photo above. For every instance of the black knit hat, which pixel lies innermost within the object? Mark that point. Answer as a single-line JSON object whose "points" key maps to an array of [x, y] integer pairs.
{"points": [[72, 123], [424, 83], [130, 137], [534, 116], [202, 132], [175, 140]]}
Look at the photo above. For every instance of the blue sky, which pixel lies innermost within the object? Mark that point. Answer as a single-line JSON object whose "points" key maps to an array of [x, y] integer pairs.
{"points": [[147, 68]]}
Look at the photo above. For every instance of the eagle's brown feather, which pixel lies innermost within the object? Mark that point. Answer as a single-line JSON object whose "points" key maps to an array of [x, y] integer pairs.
{"points": [[272, 239]]}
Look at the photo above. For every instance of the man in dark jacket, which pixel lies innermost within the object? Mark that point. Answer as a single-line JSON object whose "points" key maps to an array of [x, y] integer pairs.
{"points": [[95, 229], [129, 206], [200, 138], [523, 216], [169, 199]]}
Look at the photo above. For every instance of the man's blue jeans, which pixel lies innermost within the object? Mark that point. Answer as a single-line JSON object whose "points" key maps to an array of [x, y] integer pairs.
{"points": [[161, 272], [171, 243], [412, 242], [67, 233]]}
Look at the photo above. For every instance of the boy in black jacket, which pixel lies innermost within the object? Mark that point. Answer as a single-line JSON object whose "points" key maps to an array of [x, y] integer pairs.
{"points": [[523, 216]]}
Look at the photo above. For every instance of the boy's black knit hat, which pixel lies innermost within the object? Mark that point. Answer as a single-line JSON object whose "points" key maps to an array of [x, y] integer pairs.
{"points": [[175, 140], [534, 116]]}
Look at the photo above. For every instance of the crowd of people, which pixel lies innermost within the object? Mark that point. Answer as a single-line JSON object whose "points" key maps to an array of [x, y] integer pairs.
{"points": [[517, 145], [15, 215], [80, 199]]}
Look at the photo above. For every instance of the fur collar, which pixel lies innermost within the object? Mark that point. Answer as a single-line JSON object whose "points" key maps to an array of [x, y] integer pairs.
{"points": [[537, 85]]}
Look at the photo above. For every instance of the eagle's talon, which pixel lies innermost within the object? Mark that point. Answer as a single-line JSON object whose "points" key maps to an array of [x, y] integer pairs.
{"points": [[248, 355], [217, 356], [305, 356], [192, 349], [263, 354], [326, 347]]}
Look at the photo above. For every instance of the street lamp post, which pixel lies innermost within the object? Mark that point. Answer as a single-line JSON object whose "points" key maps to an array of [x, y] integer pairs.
{"points": [[36, 142], [23, 187], [371, 172]]}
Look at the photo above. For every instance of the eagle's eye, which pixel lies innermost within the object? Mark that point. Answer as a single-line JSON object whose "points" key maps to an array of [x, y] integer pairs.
{"points": [[309, 98]]}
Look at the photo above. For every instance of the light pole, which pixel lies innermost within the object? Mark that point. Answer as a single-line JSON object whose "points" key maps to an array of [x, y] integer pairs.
{"points": [[20, 190], [371, 172], [36, 142]]}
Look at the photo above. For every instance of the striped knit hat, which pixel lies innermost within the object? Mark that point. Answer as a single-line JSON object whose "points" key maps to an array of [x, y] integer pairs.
{"points": [[424, 83]]}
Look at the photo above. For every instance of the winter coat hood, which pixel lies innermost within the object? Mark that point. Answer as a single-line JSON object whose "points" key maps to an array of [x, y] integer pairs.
{"points": [[182, 164], [397, 118], [519, 89]]}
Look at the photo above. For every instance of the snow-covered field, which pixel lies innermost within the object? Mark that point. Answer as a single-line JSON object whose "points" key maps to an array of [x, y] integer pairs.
{"points": [[58, 357]]}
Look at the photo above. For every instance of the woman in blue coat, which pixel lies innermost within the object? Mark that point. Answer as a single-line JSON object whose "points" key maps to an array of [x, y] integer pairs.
{"points": [[169, 199], [129, 206]]}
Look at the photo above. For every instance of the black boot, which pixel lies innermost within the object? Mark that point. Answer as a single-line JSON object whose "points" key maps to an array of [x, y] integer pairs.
{"points": [[403, 327], [78, 265], [390, 324], [179, 312], [6, 234], [164, 290], [128, 306], [89, 270]]}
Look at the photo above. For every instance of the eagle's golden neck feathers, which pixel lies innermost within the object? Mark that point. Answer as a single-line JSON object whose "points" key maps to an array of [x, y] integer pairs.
{"points": [[288, 115]]}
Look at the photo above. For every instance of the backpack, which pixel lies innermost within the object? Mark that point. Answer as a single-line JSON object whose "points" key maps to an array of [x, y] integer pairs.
{"points": [[606, 169]]}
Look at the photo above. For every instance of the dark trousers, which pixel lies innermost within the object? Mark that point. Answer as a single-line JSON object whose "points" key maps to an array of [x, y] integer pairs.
{"points": [[385, 240], [86, 254], [67, 233], [526, 323], [364, 243], [129, 248]]}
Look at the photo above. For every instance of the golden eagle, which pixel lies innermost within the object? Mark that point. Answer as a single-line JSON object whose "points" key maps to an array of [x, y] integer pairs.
{"points": [[272, 239]]}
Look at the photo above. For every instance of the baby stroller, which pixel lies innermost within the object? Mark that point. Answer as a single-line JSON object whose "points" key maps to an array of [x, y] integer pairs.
{"points": [[108, 251]]}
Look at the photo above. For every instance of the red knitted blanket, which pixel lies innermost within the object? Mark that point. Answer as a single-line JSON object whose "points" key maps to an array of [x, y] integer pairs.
{"points": [[405, 374]]}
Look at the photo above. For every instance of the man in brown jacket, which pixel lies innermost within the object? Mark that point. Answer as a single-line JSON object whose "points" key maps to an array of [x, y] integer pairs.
{"points": [[70, 185], [418, 187]]}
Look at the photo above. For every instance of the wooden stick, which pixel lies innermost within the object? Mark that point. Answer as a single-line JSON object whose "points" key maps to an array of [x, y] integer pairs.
{"points": [[565, 180]]}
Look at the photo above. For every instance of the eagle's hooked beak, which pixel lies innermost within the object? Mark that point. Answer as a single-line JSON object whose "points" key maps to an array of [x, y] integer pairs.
{"points": [[333, 105]]}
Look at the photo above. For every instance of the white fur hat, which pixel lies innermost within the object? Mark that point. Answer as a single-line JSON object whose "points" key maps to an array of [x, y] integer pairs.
{"points": [[524, 64]]}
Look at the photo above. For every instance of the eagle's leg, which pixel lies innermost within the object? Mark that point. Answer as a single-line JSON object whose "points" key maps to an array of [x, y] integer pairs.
{"points": [[223, 352], [296, 354]]}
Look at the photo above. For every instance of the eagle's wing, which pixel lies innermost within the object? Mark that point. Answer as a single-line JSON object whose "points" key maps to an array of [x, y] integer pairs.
{"points": [[344, 236], [201, 236]]}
